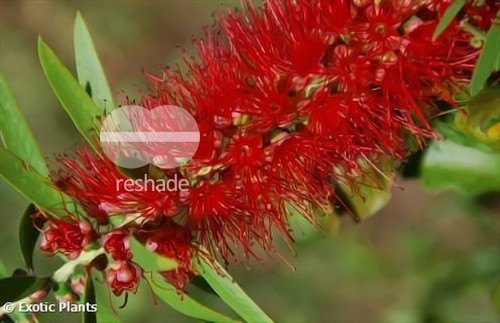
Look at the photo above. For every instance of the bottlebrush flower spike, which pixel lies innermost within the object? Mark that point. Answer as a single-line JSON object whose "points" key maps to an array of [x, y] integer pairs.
{"points": [[289, 98], [68, 236], [117, 245]]}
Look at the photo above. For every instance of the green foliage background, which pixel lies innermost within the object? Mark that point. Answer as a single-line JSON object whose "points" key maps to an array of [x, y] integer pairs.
{"points": [[424, 257]]}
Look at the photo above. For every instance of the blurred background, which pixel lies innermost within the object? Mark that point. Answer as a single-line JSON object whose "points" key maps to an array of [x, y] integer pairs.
{"points": [[425, 257]]}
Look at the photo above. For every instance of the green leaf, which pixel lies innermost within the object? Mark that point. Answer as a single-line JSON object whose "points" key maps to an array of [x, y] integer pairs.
{"points": [[16, 288], [89, 68], [488, 60], [101, 298], [28, 235], [149, 260], [34, 187], [303, 231], [104, 314], [448, 17], [7, 319], [447, 164], [202, 285], [483, 110], [89, 298], [81, 109], [183, 303], [495, 296], [230, 292], [370, 195], [15, 134], [4, 272], [496, 67]]}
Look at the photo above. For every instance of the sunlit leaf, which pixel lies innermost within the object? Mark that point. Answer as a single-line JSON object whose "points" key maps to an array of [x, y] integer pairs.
{"points": [[230, 292], [488, 60], [483, 111], [149, 260], [15, 134], [36, 188], [81, 109], [370, 194], [447, 164], [183, 303], [448, 17], [89, 68], [3, 270]]}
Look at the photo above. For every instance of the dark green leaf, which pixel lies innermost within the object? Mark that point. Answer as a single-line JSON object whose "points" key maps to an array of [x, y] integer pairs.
{"points": [[230, 292], [411, 168], [16, 288], [89, 298], [447, 164], [6, 319], [488, 60], [448, 17], [202, 284], [28, 235], [149, 260], [34, 187], [183, 303], [15, 134], [89, 68], [82, 110]]}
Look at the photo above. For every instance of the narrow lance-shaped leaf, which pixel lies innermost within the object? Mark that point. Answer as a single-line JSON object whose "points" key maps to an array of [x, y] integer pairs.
{"points": [[82, 110], [89, 69], [89, 298], [488, 60], [100, 297], [28, 235], [15, 134], [149, 260], [34, 187], [230, 292], [184, 304], [448, 17]]}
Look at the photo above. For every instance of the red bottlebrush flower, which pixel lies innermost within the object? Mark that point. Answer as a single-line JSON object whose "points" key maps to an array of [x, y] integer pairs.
{"points": [[122, 277], [217, 216], [95, 182], [174, 242], [116, 243], [67, 236], [290, 99]]}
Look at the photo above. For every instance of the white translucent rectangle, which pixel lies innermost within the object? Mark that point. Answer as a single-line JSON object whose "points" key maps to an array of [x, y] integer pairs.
{"points": [[181, 136]]}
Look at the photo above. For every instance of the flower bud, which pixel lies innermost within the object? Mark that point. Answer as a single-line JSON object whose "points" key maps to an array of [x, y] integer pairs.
{"points": [[123, 277]]}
